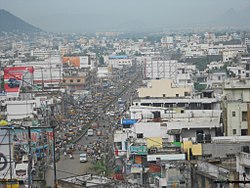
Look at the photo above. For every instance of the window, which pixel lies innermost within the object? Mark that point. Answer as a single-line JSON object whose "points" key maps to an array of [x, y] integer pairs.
{"points": [[244, 132], [177, 94], [247, 170], [118, 145], [234, 131], [233, 113], [177, 138], [165, 111], [64, 81], [78, 80], [140, 135], [244, 116], [163, 95], [247, 67], [247, 74], [71, 81]]}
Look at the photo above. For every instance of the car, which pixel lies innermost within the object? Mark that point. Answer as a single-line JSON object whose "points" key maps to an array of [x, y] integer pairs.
{"points": [[83, 157], [90, 132]]}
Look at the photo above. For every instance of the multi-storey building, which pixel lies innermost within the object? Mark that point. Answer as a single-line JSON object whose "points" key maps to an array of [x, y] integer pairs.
{"points": [[236, 107]]}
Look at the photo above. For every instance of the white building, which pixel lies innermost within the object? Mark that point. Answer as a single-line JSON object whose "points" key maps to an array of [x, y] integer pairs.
{"points": [[236, 107], [120, 61], [242, 166]]}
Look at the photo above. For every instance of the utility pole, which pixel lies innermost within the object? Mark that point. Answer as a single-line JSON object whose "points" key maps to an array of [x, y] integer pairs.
{"points": [[30, 158], [10, 158], [54, 158]]}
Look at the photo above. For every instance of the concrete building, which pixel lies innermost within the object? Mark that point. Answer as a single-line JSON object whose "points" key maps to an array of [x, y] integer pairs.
{"points": [[229, 56], [236, 108], [163, 89], [119, 61], [93, 181], [76, 79], [243, 167]]}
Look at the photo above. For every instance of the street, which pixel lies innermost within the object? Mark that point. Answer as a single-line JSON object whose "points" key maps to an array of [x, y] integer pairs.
{"points": [[97, 147]]}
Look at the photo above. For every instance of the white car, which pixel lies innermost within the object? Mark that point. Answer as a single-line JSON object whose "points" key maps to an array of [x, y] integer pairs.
{"points": [[83, 157], [90, 132]]}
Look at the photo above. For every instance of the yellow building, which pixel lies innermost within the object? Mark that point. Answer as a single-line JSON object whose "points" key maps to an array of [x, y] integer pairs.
{"points": [[164, 88]]}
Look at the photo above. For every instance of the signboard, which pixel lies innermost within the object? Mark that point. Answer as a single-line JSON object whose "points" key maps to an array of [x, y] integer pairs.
{"points": [[128, 121], [17, 77], [85, 61], [21, 136], [136, 168], [138, 150], [72, 61]]}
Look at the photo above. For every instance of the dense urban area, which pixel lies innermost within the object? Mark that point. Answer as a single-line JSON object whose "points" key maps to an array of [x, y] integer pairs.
{"points": [[112, 109]]}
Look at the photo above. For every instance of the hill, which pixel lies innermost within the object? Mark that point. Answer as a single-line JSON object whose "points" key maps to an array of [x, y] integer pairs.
{"points": [[11, 23], [233, 18]]}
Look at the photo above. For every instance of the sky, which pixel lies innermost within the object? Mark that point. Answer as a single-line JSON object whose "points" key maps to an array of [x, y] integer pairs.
{"points": [[112, 15]]}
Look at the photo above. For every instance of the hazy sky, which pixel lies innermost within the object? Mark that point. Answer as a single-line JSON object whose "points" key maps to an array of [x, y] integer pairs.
{"points": [[98, 15]]}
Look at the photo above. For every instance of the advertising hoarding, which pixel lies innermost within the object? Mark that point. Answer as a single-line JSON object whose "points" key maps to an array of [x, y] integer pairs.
{"points": [[17, 77], [128, 121], [72, 61], [138, 150]]}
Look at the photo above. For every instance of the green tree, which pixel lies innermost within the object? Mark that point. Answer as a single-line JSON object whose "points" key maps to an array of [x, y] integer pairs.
{"points": [[101, 167], [199, 87], [101, 60]]}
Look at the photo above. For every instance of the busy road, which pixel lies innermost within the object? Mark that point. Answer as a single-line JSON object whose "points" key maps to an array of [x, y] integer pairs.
{"points": [[97, 110]]}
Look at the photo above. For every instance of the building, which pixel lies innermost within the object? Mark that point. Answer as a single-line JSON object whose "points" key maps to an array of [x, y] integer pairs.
{"points": [[47, 73], [76, 79], [236, 110], [242, 166], [118, 61], [164, 89], [93, 181]]}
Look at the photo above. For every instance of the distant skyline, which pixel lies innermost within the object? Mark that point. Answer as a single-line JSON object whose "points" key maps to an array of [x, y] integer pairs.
{"points": [[118, 15]]}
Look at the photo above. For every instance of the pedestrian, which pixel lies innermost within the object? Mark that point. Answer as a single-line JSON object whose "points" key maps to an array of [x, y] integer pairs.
{"points": [[65, 155]]}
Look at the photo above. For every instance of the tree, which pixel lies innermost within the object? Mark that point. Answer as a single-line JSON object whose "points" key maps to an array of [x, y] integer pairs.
{"points": [[101, 167], [199, 87], [101, 60]]}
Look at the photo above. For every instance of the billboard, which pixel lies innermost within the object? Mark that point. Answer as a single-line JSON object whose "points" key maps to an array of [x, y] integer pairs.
{"points": [[138, 150], [85, 61], [128, 121], [17, 77], [72, 61]]}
